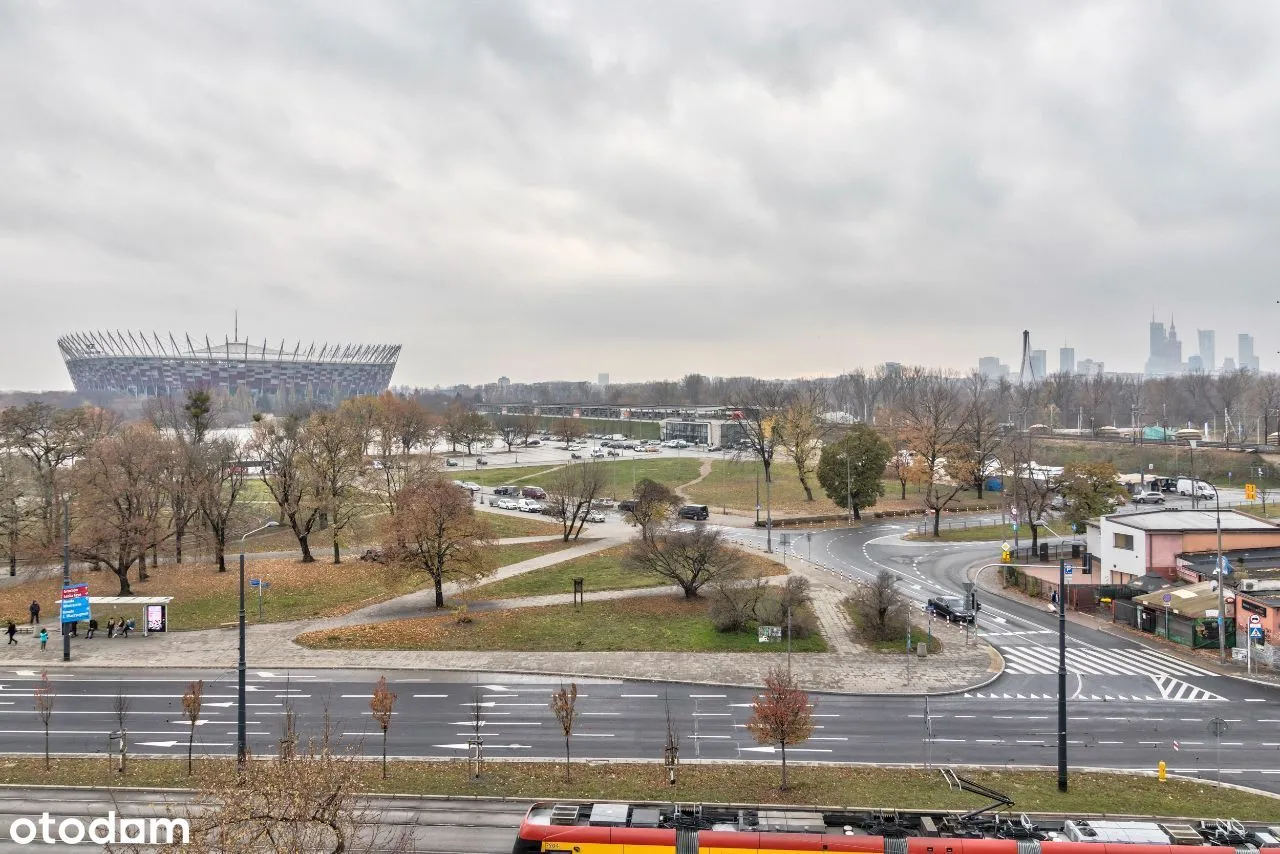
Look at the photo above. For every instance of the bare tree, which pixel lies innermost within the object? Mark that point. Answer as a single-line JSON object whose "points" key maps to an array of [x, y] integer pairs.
{"points": [[399, 426], [691, 558], [1266, 399], [800, 428], [981, 436], [333, 453], [1232, 388], [119, 499], [1031, 488], [936, 417], [220, 481], [188, 424], [570, 492], [782, 715], [757, 412], [564, 706], [568, 430], [192, 703], [281, 445], [880, 608], [508, 430], [18, 505], [44, 696], [120, 708], [527, 425], [438, 531], [654, 504], [382, 706]]}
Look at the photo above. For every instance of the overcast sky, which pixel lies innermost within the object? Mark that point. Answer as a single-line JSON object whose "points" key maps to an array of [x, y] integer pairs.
{"points": [[550, 190]]}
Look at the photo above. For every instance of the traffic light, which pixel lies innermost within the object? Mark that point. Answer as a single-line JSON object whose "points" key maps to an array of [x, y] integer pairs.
{"points": [[1250, 492]]}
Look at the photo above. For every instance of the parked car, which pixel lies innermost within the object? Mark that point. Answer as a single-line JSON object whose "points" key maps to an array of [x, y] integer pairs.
{"points": [[597, 452], [652, 449], [611, 452], [481, 461], [524, 505], [595, 516], [507, 504], [451, 462], [950, 608], [627, 505], [606, 444], [1149, 498], [534, 442], [534, 492], [575, 456], [697, 512], [713, 448], [506, 490]]}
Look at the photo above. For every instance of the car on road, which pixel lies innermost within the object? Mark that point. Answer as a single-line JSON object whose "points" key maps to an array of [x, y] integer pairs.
{"points": [[1151, 497], [950, 608], [575, 456], [611, 452], [506, 504], [628, 505], [524, 505], [595, 516], [481, 461], [697, 512], [597, 452], [533, 442], [451, 462]]}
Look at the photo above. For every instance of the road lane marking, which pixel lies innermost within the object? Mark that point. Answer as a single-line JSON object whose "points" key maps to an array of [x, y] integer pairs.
{"points": [[650, 696]]}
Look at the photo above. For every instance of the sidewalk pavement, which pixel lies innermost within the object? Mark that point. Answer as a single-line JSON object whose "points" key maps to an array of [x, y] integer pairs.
{"points": [[988, 581], [847, 668]]}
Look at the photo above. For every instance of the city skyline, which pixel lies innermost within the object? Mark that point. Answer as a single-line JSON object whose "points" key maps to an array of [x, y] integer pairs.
{"points": [[630, 181]]}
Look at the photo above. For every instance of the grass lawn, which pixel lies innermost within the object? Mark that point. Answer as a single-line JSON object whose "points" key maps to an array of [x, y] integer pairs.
{"points": [[969, 534], [204, 598], [504, 526], [1032, 791], [600, 571], [650, 623], [919, 635], [622, 475], [494, 476]]}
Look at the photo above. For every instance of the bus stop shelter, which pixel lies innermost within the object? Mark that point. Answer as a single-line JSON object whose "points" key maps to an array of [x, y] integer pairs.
{"points": [[155, 609]]}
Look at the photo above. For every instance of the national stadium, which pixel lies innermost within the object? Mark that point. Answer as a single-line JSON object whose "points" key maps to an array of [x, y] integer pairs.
{"points": [[139, 365]]}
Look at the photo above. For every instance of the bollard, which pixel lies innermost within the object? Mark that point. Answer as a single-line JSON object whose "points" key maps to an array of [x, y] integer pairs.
{"points": [[1160, 771]]}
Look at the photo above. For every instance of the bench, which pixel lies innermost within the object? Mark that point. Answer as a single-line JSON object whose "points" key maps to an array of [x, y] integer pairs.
{"points": [[26, 630]]}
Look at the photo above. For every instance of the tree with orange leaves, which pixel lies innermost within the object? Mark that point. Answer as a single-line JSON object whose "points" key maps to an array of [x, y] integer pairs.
{"points": [[782, 715]]}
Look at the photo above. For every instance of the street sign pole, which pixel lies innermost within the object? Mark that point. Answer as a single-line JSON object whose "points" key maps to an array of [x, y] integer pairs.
{"points": [[66, 572], [1062, 675]]}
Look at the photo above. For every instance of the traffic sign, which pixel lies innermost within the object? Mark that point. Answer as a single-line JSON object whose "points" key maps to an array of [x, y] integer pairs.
{"points": [[1255, 620], [75, 603], [1168, 597], [1255, 633], [1067, 570], [254, 582]]}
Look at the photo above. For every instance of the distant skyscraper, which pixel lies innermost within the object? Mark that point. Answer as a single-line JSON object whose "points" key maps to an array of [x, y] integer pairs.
{"points": [[1228, 365], [1165, 358], [602, 379], [1195, 365], [1248, 361], [1067, 360], [1208, 352], [1039, 361], [1088, 367], [990, 367]]}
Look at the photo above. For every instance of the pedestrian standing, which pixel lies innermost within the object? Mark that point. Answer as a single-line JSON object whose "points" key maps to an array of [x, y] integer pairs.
{"points": [[35, 612], [93, 627], [11, 631], [111, 628], [44, 638]]}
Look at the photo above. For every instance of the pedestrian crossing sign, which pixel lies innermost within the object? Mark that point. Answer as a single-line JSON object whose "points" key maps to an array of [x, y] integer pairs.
{"points": [[1255, 633]]}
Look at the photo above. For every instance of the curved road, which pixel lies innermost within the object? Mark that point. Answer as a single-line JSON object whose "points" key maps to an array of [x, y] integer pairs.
{"points": [[1129, 706]]}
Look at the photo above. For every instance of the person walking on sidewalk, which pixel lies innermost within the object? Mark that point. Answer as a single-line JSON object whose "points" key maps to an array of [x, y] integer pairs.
{"points": [[35, 612], [93, 627], [44, 638], [11, 631]]}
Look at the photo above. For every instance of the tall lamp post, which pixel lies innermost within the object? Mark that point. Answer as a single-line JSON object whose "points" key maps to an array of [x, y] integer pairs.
{"points": [[66, 573], [1222, 585], [242, 747]]}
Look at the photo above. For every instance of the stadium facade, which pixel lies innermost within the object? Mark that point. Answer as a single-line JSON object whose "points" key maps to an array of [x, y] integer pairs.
{"points": [[142, 366]]}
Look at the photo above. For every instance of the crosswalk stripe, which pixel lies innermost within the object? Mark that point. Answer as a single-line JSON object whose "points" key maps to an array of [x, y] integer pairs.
{"points": [[1028, 659]]}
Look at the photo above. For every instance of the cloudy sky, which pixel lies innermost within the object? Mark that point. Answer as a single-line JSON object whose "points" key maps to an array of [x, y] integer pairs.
{"points": [[555, 189]]}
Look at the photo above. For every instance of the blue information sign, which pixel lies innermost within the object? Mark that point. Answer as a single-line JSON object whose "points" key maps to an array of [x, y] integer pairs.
{"points": [[75, 603], [1255, 633]]}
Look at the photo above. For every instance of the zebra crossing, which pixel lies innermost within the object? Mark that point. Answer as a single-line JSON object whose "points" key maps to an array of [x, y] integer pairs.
{"points": [[1170, 691], [1096, 661]]}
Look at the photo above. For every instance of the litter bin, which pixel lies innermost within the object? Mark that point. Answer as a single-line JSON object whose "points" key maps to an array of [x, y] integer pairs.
{"points": [[1075, 550], [1044, 551]]}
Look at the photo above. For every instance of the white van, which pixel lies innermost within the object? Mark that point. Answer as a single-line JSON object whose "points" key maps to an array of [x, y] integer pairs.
{"points": [[1202, 490]]}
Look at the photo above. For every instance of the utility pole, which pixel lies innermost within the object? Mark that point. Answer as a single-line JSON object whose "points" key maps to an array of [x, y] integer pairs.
{"points": [[1062, 674], [1222, 586], [848, 487], [1195, 497], [66, 573]]}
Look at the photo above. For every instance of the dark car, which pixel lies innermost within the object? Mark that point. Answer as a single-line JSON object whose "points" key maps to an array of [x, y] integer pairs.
{"points": [[698, 512], [628, 505], [534, 492], [951, 608], [506, 490], [481, 461]]}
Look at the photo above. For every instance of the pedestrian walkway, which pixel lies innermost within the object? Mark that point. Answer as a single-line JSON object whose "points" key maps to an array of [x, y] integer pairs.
{"points": [[1096, 661]]}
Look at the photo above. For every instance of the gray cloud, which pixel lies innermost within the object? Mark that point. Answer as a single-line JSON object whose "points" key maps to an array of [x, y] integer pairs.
{"points": [[552, 189]]}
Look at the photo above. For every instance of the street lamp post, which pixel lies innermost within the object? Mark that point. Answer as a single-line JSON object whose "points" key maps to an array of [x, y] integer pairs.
{"points": [[1195, 497], [1222, 586], [241, 718], [66, 573]]}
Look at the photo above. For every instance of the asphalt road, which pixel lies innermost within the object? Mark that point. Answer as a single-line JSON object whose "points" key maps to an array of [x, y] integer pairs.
{"points": [[1128, 706]]}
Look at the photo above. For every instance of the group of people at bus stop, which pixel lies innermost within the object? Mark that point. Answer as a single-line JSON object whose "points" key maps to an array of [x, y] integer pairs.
{"points": [[115, 627]]}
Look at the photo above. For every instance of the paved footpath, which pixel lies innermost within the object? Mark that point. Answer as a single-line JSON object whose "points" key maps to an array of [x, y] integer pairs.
{"points": [[847, 668]]}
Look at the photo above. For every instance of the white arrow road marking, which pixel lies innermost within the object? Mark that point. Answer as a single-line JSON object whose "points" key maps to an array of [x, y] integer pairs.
{"points": [[495, 687], [25, 672], [267, 674], [793, 750], [225, 705], [487, 705], [496, 723], [157, 743], [499, 746]]}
